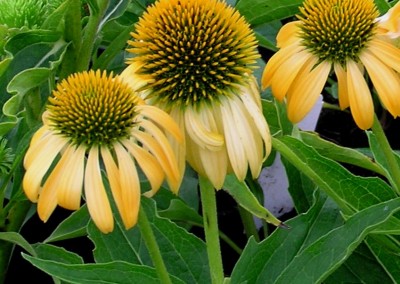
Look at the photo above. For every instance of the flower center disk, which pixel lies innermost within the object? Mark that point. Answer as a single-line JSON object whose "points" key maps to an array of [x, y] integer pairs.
{"points": [[337, 30], [92, 108], [193, 50]]}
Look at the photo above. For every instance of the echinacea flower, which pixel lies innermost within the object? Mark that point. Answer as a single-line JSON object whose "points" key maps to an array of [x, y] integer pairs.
{"points": [[343, 34], [194, 59], [91, 120]]}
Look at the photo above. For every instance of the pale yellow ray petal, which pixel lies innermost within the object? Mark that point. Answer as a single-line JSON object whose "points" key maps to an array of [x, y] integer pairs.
{"points": [[214, 165], [288, 34], [162, 119], [70, 184], [342, 86], [130, 186], [95, 193], [361, 104], [129, 76], [259, 121], [112, 176], [275, 62], [47, 201], [386, 52], [246, 136], [39, 162], [306, 90], [385, 80], [39, 135], [149, 165], [286, 74], [234, 146], [164, 155], [199, 132]]}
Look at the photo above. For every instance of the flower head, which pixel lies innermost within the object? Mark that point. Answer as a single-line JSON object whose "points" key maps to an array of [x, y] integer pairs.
{"points": [[91, 120], [343, 34], [194, 59]]}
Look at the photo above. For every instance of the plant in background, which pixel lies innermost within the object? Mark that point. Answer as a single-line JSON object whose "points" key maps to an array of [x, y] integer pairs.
{"points": [[76, 136]]}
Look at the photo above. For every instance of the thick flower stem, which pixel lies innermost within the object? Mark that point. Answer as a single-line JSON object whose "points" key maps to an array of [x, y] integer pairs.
{"points": [[392, 164], [209, 206], [152, 246]]}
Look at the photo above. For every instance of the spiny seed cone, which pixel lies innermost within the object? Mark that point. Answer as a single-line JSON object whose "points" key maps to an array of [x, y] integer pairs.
{"points": [[192, 51]]}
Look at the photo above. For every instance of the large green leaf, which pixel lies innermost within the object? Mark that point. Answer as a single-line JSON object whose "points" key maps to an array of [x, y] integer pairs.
{"points": [[263, 11], [292, 257], [184, 254], [116, 272], [350, 192]]}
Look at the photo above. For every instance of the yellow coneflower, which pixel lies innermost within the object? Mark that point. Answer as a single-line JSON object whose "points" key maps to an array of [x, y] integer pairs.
{"points": [[343, 34], [91, 120], [194, 59]]}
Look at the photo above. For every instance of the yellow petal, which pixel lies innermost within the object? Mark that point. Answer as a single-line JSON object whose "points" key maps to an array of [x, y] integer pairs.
{"points": [[199, 129], [286, 74], [305, 91], [389, 23], [69, 186], [288, 34], [342, 86], [162, 119], [234, 146], [386, 52], [361, 105], [259, 122], [275, 62], [160, 149], [149, 165], [214, 165], [385, 80], [129, 76], [95, 193], [39, 160], [130, 187]]}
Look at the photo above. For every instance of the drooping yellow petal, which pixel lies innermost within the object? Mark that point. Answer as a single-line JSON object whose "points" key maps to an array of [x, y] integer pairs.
{"points": [[286, 74], [162, 119], [342, 86], [288, 34], [385, 80], [214, 165], [305, 91], [275, 62], [164, 155], [389, 23], [361, 105], [149, 165], [259, 122], [199, 130], [130, 186], [96, 196], [69, 186], [386, 52], [234, 146], [130, 76], [39, 159]]}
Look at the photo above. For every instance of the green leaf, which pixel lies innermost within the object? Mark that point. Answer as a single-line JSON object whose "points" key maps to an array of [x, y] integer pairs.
{"points": [[116, 272], [245, 198], [350, 192], [263, 262], [259, 12], [17, 239], [292, 257], [320, 259], [184, 254], [351, 271], [387, 251], [180, 211], [72, 227], [58, 254], [339, 153]]}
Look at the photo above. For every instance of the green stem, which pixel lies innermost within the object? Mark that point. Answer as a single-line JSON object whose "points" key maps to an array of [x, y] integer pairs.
{"points": [[209, 206], [152, 246], [393, 165]]}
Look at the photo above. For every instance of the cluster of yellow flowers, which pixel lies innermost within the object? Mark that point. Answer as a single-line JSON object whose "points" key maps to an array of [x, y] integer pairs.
{"points": [[189, 95]]}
